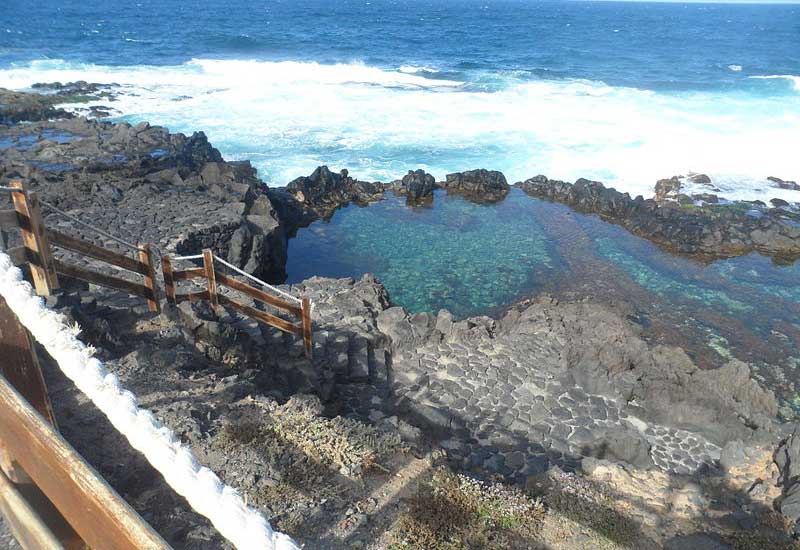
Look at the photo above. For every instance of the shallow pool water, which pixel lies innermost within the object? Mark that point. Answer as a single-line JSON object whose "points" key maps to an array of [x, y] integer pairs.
{"points": [[454, 254], [478, 259]]}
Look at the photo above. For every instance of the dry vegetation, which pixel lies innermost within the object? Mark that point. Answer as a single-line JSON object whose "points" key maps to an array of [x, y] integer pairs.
{"points": [[451, 512]]}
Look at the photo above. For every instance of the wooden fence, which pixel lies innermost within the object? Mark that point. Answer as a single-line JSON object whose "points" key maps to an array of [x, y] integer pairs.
{"points": [[216, 278], [50, 496], [36, 250]]}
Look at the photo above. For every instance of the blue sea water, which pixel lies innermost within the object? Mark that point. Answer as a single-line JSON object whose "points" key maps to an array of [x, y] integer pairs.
{"points": [[623, 92]]}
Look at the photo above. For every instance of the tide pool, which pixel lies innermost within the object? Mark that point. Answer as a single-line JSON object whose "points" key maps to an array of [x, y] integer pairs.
{"points": [[475, 259]]}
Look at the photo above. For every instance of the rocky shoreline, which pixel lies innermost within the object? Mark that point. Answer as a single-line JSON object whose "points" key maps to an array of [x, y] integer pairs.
{"points": [[563, 400], [711, 230]]}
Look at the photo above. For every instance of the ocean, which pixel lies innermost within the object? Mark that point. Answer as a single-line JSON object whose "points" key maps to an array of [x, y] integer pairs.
{"points": [[622, 92]]}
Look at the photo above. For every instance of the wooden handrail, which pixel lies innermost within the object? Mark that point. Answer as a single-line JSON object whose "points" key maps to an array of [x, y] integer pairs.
{"points": [[101, 279], [96, 512], [211, 279], [146, 258], [257, 294], [93, 251], [186, 274], [191, 297], [26, 523], [215, 279], [169, 280], [305, 319], [35, 239], [263, 316]]}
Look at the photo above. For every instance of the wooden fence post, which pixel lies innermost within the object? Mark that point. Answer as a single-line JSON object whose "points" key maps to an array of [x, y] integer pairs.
{"points": [[307, 327], [35, 240], [20, 366], [169, 282], [146, 257], [208, 264]]}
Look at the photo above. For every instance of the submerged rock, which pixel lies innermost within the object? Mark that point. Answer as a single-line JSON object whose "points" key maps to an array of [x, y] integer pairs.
{"points": [[479, 185]]}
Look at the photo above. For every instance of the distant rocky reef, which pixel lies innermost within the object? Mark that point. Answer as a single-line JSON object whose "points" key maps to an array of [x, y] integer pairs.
{"points": [[712, 230]]}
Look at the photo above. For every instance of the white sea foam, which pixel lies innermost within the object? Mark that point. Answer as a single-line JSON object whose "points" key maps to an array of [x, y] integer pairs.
{"points": [[413, 69], [795, 80], [735, 68], [288, 117]]}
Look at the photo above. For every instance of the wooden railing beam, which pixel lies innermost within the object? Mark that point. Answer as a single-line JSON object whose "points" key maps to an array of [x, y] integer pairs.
{"points": [[191, 297], [191, 273], [102, 279], [306, 322], [169, 281], [262, 316], [93, 251], [90, 506], [244, 288]]}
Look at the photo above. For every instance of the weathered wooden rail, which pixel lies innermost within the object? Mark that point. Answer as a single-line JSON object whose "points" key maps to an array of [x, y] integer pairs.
{"points": [[50, 496], [37, 252], [216, 278]]}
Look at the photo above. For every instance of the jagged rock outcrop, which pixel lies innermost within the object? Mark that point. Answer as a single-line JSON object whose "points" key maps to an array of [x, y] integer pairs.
{"points": [[714, 230], [417, 186], [317, 196], [668, 188], [479, 185], [787, 457], [700, 178], [20, 106], [171, 190]]}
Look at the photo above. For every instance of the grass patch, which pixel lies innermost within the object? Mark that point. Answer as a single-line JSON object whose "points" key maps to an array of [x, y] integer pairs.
{"points": [[349, 446], [453, 512]]}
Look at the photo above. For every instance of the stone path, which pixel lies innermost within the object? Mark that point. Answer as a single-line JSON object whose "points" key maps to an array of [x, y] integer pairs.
{"points": [[506, 409]]}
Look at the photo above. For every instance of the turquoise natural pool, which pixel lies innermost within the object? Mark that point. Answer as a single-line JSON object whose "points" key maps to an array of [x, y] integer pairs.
{"points": [[478, 259]]}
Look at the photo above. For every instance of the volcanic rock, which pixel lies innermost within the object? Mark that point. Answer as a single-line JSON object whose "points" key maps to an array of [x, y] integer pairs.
{"points": [[417, 186], [782, 184], [699, 178], [20, 107], [667, 188], [478, 185], [317, 196], [722, 230]]}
